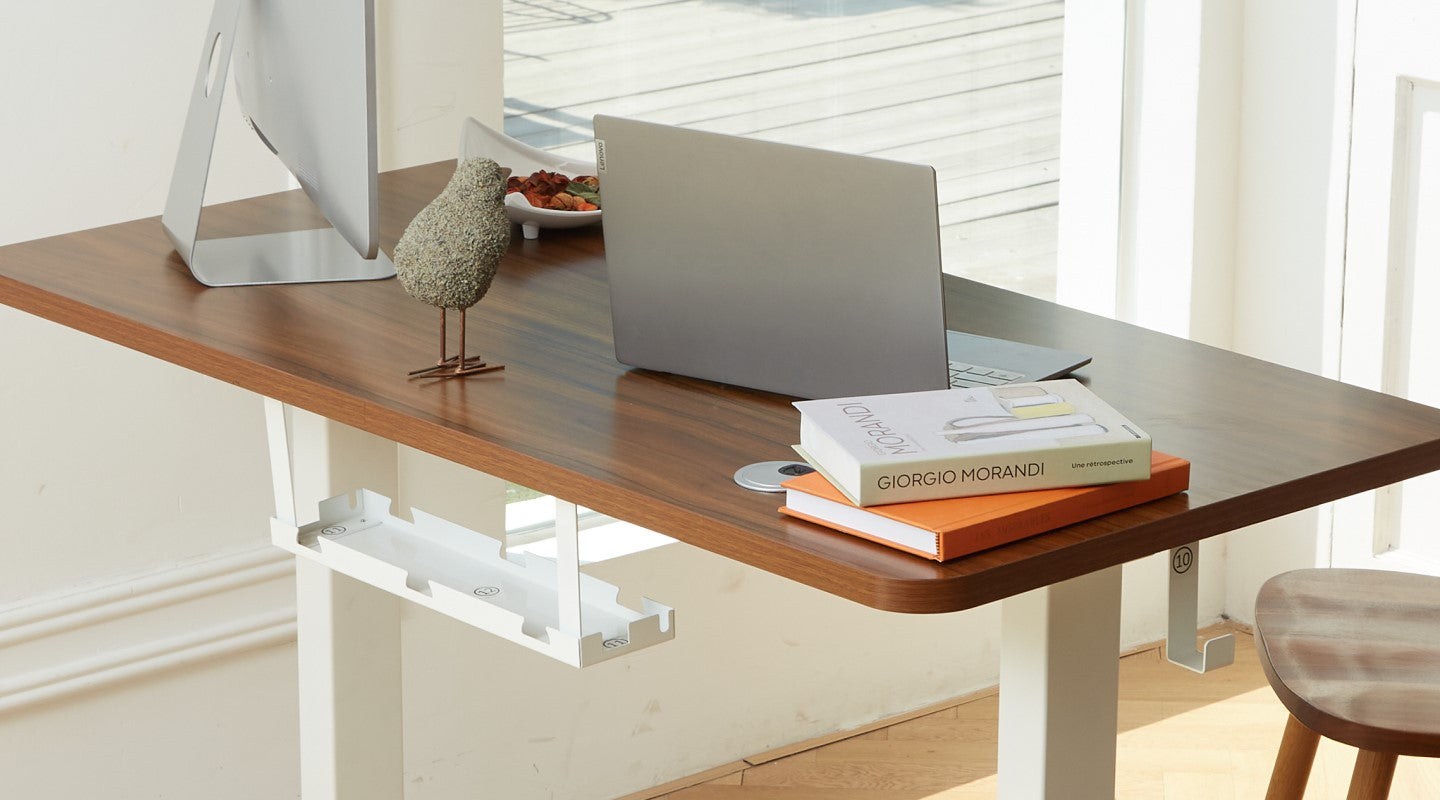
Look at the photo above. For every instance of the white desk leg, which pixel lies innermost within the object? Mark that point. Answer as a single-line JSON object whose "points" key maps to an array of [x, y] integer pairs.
{"points": [[347, 633], [348, 638], [1059, 684], [350, 712]]}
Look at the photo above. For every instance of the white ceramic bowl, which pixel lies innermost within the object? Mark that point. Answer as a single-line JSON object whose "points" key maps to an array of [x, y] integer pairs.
{"points": [[478, 140]]}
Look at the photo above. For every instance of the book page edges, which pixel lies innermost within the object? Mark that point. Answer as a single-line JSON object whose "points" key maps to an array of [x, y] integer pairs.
{"points": [[992, 520], [829, 479], [932, 554]]}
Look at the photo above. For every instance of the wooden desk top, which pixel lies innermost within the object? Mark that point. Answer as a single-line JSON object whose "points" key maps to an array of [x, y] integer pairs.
{"points": [[658, 450]]}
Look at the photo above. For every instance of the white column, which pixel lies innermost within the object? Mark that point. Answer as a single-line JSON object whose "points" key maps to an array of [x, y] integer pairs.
{"points": [[567, 566], [351, 737], [347, 632], [1059, 684], [1092, 109]]}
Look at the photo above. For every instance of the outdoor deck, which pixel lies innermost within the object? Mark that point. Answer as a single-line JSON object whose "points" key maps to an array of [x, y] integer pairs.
{"points": [[972, 88]]}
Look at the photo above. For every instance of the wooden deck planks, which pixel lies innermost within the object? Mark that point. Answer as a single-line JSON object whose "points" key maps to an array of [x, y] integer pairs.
{"points": [[972, 89]]}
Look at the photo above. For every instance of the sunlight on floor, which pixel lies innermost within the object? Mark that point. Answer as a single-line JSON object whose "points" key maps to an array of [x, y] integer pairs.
{"points": [[1182, 736]]}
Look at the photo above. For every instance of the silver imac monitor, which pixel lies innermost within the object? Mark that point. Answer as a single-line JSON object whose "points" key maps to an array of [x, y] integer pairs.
{"points": [[305, 78]]}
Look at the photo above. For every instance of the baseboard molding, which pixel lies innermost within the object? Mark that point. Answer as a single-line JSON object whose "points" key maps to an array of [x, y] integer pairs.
{"points": [[830, 738], [145, 624], [712, 774]]}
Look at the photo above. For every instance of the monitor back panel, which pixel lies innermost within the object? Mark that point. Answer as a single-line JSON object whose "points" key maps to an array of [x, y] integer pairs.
{"points": [[776, 267], [305, 76]]}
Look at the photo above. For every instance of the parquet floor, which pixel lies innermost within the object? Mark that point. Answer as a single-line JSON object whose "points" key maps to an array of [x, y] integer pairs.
{"points": [[1182, 737], [971, 87]]}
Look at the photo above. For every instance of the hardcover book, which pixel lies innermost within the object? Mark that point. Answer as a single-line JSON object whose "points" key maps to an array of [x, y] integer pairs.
{"points": [[900, 448], [946, 529]]}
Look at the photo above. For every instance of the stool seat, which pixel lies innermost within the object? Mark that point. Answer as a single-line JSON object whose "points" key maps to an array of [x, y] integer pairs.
{"points": [[1354, 655]]}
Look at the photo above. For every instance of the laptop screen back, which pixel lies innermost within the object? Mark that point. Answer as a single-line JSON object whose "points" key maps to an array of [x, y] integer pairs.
{"points": [[776, 267]]}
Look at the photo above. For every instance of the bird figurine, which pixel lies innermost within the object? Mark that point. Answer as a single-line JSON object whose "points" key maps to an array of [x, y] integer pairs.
{"points": [[449, 252]]}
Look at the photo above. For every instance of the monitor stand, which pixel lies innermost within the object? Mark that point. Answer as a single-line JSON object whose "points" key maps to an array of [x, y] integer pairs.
{"points": [[307, 256]]}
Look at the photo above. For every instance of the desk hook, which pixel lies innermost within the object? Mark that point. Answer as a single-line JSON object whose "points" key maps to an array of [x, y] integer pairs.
{"points": [[1184, 605]]}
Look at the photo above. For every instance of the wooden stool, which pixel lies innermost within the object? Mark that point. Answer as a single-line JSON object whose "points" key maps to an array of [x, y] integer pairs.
{"points": [[1355, 656]]}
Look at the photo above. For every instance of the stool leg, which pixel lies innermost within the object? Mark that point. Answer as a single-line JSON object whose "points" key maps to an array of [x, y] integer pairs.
{"points": [[1372, 776], [1292, 763]]}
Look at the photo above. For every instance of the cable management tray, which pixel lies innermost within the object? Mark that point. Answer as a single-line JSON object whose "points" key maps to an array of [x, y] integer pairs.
{"points": [[468, 576]]}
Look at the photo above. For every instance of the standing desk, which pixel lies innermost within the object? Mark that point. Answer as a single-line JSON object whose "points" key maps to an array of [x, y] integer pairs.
{"points": [[659, 450]]}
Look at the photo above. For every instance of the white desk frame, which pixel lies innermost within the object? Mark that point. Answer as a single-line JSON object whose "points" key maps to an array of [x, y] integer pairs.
{"points": [[1059, 678], [348, 609]]}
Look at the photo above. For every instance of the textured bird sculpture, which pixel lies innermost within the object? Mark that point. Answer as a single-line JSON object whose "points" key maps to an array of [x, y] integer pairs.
{"points": [[449, 253]]}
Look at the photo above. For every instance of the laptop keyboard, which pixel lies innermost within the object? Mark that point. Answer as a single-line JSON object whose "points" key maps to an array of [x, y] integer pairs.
{"points": [[969, 376]]}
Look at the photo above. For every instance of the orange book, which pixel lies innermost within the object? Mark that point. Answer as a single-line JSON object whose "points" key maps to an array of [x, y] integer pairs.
{"points": [[946, 529]]}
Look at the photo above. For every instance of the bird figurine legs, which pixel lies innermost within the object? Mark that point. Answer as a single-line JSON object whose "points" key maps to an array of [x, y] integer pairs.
{"points": [[456, 366]]}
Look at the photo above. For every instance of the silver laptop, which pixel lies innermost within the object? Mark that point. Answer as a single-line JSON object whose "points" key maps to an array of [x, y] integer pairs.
{"points": [[790, 269]]}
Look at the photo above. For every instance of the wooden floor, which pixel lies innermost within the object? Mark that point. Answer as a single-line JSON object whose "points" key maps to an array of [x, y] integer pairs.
{"points": [[1182, 737], [971, 87]]}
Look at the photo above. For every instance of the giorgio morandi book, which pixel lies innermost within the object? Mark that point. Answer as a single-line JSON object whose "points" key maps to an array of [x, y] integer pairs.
{"points": [[958, 526], [899, 448]]}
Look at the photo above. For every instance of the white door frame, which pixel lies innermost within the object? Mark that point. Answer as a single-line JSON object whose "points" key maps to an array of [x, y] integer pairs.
{"points": [[1391, 261]]}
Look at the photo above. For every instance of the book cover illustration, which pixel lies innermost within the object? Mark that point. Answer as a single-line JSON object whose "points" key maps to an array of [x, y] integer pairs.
{"points": [[957, 442]]}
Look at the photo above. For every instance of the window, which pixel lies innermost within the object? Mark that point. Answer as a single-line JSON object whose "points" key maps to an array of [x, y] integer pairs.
{"points": [[971, 88]]}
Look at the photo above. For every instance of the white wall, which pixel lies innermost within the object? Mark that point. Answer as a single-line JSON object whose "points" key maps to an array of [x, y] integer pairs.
{"points": [[133, 590], [147, 620], [1293, 161], [144, 620], [1233, 210]]}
